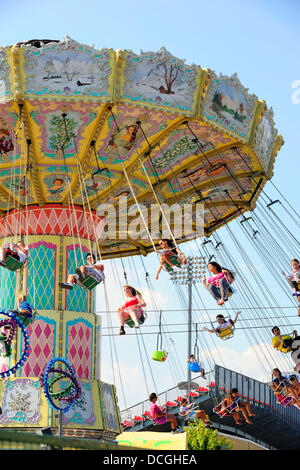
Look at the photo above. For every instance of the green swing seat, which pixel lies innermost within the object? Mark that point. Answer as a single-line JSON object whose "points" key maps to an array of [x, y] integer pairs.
{"points": [[129, 322], [159, 356], [89, 282], [12, 263], [175, 261], [25, 319]]}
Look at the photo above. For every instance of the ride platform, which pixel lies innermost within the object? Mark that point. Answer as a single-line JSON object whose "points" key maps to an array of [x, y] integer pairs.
{"points": [[274, 426]]}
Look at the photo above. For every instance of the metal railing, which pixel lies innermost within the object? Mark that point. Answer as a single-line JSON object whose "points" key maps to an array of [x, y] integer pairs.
{"points": [[219, 383], [257, 393], [169, 396]]}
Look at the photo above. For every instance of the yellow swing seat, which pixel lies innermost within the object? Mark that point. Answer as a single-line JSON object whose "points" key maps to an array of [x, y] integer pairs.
{"points": [[288, 348], [225, 333]]}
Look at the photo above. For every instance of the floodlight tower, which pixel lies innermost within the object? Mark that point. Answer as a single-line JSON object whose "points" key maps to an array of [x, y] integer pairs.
{"points": [[189, 274]]}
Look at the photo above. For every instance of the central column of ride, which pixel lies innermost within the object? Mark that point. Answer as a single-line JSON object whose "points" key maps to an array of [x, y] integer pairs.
{"points": [[66, 326]]}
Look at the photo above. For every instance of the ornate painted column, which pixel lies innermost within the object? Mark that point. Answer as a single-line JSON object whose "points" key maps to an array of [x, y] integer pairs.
{"points": [[66, 325]]}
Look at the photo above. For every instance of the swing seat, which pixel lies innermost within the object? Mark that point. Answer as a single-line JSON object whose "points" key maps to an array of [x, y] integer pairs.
{"points": [[194, 367], [218, 410], [225, 333], [287, 349], [225, 411], [230, 291], [298, 289], [7, 347], [89, 282], [12, 264], [175, 261], [283, 396], [129, 322], [286, 401], [159, 356], [25, 319]]}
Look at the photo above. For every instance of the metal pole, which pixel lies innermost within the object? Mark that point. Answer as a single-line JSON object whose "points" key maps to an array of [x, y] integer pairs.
{"points": [[189, 374], [60, 423]]}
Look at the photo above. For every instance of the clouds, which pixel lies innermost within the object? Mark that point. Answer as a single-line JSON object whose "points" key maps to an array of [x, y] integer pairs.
{"points": [[256, 361], [132, 379]]}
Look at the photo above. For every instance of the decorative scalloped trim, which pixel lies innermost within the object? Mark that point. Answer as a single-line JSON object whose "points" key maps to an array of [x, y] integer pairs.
{"points": [[265, 153]]}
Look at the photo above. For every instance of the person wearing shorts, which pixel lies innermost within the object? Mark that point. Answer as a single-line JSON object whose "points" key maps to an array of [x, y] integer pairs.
{"points": [[91, 269], [132, 308], [162, 417], [186, 412], [95, 270]]}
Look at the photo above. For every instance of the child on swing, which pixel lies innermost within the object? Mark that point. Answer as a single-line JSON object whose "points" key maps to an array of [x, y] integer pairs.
{"points": [[167, 253], [24, 306], [294, 278], [193, 360], [17, 250]]}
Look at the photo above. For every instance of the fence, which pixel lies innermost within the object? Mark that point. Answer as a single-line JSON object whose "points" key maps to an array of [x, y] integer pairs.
{"points": [[138, 414], [220, 382], [255, 392]]}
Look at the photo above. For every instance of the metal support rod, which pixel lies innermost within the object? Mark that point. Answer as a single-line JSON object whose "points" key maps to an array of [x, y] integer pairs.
{"points": [[188, 275], [189, 374], [60, 423]]}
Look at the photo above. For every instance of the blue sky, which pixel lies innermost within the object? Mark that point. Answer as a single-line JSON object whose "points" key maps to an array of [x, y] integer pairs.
{"points": [[258, 40]]}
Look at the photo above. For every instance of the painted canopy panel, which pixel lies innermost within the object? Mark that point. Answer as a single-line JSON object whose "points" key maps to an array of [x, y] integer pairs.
{"points": [[66, 69], [229, 105], [159, 80]]}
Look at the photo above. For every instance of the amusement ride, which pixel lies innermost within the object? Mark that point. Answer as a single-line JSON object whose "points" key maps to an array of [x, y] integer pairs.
{"points": [[91, 142]]}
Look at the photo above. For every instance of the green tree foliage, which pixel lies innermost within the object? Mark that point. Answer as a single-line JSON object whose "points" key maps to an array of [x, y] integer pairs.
{"points": [[202, 438]]}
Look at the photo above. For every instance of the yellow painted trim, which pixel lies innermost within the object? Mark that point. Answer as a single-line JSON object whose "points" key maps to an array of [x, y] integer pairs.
{"points": [[276, 147], [258, 112]]}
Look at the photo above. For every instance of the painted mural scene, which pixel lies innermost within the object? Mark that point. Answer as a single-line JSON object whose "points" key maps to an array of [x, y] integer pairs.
{"points": [[149, 261]]}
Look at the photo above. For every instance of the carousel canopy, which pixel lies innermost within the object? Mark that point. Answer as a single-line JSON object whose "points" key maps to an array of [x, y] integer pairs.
{"points": [[87, 127]]}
